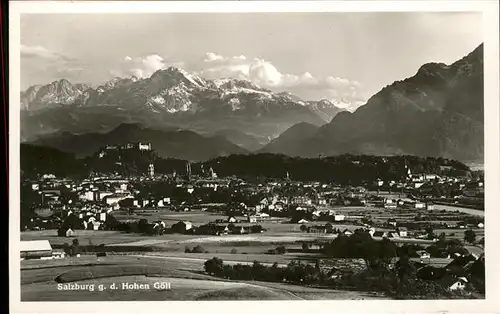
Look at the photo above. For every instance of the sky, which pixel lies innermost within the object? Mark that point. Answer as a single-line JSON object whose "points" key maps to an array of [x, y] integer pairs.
{"points": [[343, 57]]}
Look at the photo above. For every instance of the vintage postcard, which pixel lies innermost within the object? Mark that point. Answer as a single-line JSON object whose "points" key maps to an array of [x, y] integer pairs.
{"points": [[322, 152]]}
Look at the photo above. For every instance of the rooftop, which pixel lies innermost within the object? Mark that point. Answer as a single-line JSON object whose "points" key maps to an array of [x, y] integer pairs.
{"points": [[35, 245]]}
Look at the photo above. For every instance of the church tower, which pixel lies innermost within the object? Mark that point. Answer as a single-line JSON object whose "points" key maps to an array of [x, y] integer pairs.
{"points": [[151, 170]]}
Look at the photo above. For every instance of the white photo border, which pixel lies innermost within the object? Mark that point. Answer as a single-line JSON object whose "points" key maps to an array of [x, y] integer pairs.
{"points": [[489, 9]]}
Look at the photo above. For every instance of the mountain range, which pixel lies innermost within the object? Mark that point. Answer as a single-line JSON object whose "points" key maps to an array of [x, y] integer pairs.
{"points": [[171, 97], [438, 112]]}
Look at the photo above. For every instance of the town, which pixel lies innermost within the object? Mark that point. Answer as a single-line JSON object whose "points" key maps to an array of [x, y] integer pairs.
{"points": [[437, 220]]}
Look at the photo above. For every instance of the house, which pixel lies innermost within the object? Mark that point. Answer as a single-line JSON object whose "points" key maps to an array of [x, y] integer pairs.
{"points": [[302, 221], [37, 249], [429, 206], [379, 234], [423, 254], [338, 217], [252, 219], [391, 205], [392, 222], [70, 233], [102, 216], [317, 229], [182, 226], [403, 232], [239, 230], [453, 283], [95, 225], [460, 262], [115, 198], [347, 232], [428, 272], [58, 254], [419, 205], [393, 234], [232, 219], [321, 201], [159, 223], [480, 225]]}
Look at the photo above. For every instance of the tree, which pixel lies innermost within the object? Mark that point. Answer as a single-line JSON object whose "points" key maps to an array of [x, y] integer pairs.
{"points": [[61, 232], [329, 227], [67, 249], [143, 226], [281, 249], [470, 236], [256, 229], [214, 266], [111, 222], [72, 222], [198, 249], [430, 232], [442, 236], [305, 247], [404, 268], [303, 228], [75, 247]]}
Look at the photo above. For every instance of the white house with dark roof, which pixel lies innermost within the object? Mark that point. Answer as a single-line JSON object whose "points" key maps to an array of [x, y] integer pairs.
{"points": [[36, 249]]}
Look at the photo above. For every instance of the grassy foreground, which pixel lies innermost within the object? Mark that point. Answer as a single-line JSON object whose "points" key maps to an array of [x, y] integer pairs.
{"points": [[40, 280]]}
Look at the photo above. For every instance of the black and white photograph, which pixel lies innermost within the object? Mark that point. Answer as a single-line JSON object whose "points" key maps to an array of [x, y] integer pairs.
{"points": [[253, 156]]}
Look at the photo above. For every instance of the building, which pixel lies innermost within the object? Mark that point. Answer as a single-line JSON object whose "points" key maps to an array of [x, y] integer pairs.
{"points": [[403, 232], [338, 217], [37, 249], [378, 234], [115, 198], [144, 146], [347, 232], [182, 226], [151, 170], [452, 283], [317, 229], [70, 233], [102, 216], [423, 254]]}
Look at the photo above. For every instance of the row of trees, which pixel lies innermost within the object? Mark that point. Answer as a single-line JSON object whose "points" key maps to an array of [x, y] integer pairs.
{"points": [[362, 245], [400, 283]]}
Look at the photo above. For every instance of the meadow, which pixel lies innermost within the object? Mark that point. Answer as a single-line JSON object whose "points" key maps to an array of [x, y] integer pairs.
{"points": [[186, 278]]}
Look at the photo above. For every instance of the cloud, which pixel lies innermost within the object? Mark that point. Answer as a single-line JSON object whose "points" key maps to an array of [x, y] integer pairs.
{"points": [[142, 67], [210, 56], [264, 73], [39, 61], [42, 53]]}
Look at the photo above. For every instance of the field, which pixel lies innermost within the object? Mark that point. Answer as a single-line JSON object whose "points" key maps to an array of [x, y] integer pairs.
{"points": [[166, 260], [187, 282]]}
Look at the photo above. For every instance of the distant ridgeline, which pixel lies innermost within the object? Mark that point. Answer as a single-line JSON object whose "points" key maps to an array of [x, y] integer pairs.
{"points": [[134, 160]]}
